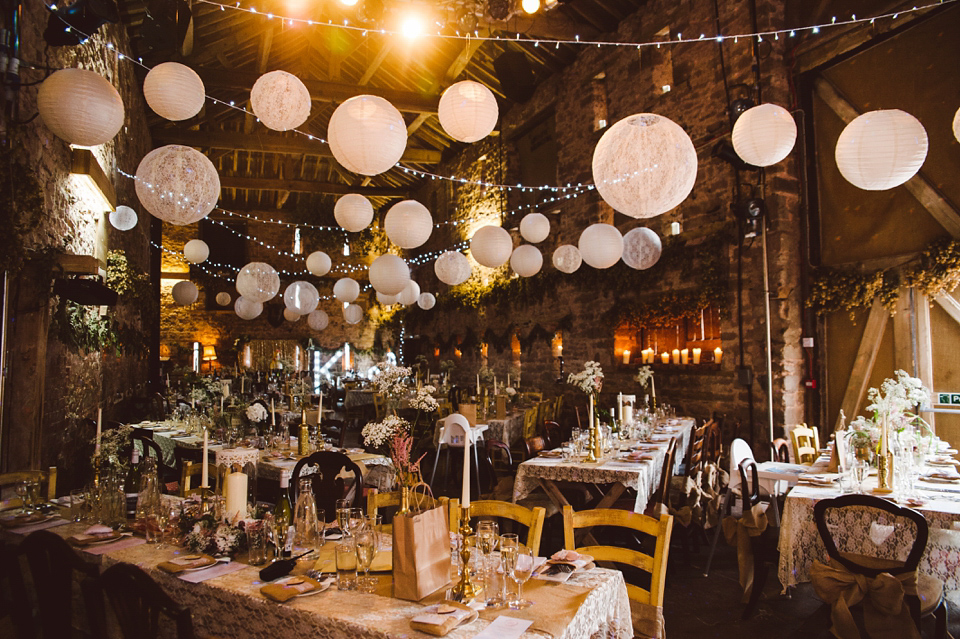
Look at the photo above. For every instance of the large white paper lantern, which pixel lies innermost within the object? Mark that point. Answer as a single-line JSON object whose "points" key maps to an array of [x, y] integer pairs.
{"points": [[123, 219], [468, 111], [353, 212], [319, 263], [956, 125], [534, 227], [408, 224], [81, 107], [881, 149], [367, 135], [601, 245], [389, 274], [346, 289], [526, 260], [318, 320], [223, 298], [258, 282], [491, 246], [387, 300], [301, 297], [174, 91], [196, 251], [764, 135], [280, 100], [290, 316], [246, 309], [177, 184], [353, 314], [644, 165], [426, 301], [641, 248], [410, 294], [567, 258], [452, 268], [185, 293]]}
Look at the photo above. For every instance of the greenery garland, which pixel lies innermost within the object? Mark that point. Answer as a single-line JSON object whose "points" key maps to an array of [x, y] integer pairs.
{"points": [[21, 208]]}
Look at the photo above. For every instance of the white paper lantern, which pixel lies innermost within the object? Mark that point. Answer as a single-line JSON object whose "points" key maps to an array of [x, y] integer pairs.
{"points": [[491, 246], [641, 248], [290, 316], [468, 111], [196, 251], [367, 135], [881, 149], [956, 125], [346, 290], [567, 258], [80, 107], [124, 218], [410, 294], [177, 184], [353, 212], [246, 309], [319, 263], [426, 301], [387, 300], [301, 297], [601, 245], [534, 227], [452, 268], [389, 274], [223, 298], [526, 260], [353, 314], [408, 224], [174, 91], [764, 135], [258, 282], [185, 293], [318, 320], [644, 165], [280, 100]]}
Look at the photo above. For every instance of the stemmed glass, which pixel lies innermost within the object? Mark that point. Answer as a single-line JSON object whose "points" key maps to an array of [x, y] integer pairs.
{"points": [[518, 565], [860, 472], [487, 538], [366, 539], [343, 516], [23, 489]]}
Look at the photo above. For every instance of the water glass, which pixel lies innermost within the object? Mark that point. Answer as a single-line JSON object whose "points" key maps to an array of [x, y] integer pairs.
{"points": [[23, 491], [76, 504], [366, 545], [256, 542], [346, 557], [518, 565]]}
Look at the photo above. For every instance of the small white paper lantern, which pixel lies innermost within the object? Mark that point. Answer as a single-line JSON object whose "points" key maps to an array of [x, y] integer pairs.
{"points": [[318, 320], [452, 268], [567, 258], [223, 298], [644, 165], [185, 293], [408, 224], [367, 135], [881, 149], [410, 294], [764, 135], [601, 245], [641, 248], [346, 289], [468, 111], [258, 282], [174, 91], [353, 314], [301, 297], [534, 227], [124, 218], [80, 107], [387, 300], [526, 260], [290, 316], [389, 274], [319, 263], [246, 309], [491, 246], [177, 184], [353, 212], [956, 125], [196, 251], [280, 100], [426, 301]]}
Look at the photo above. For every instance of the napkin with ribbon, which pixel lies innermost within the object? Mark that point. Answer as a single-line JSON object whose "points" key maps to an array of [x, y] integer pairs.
{"points": [[290, 587], [738, 532], [440, 619], [94, 534], [187, 562]]}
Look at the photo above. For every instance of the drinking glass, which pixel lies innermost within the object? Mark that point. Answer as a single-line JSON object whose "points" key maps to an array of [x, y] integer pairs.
{"points": [[374, 523], [518, 565], [346, 557], [33, 494], [366, 550], [256, 542], [23, 489], [860, 469], [76, 504], [356, 521], [343, 516], [487, 538]]}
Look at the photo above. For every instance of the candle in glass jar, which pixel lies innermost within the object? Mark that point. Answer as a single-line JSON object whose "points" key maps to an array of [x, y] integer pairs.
{"points": [[717, 354], [696, 356], [626, 357], [665, 357], [685, 356], [676, 356]]}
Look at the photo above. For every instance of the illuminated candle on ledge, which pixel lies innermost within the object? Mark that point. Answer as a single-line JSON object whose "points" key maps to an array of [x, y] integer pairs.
{"points": [[685, 356], [676, 356], [717, 354], [665, 357], [696, 356], [626, 357]]}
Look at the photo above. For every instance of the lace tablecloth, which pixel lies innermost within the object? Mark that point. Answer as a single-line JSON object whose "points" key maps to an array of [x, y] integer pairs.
{"points": [[377, 470], [508, 430]]}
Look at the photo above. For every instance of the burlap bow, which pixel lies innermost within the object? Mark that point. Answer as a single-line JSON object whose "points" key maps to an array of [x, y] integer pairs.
{"points": [[885, 614], [738, 532]]}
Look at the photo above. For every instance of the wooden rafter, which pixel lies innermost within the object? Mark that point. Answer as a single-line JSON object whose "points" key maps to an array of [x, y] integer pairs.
{"points": [[950, 304], [866, 357]]}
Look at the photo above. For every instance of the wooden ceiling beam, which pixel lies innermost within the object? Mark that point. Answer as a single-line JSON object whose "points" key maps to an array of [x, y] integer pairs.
{"points": [[377, 61], [306, 186]]}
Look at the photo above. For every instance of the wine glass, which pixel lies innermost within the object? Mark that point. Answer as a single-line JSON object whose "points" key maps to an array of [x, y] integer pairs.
{"points": [[487, 534], [356, 520], [860, 472], [23, 489], [343, 516], [366, 550], [518, 565]]}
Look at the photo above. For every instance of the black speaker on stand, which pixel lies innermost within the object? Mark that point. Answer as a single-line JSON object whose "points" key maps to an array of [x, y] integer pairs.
{"points": [[515, 75]]}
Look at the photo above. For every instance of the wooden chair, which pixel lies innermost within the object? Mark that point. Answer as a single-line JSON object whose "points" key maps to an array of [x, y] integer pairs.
{"points": [[764, 545], [168, 475], [11, 479], [663, 490], [712, 443], [532, 518], [780, 450], [806, 444], [377, 500], [529, 423], [158, 406], [533, 446], [379, 406], [697, 460], [188, 470], [141, 607], [532, 397], [548, 413], [336, 429], [328, 485], [552, 433]]}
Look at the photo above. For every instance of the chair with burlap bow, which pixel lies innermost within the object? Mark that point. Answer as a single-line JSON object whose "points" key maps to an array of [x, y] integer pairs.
{"points": [[894, 596]]}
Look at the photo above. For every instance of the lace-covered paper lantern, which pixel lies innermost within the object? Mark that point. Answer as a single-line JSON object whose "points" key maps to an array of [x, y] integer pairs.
{"points": [[174, 91], [641, 248], [319, 263], [80, 107], [123, 219], [408, 224], [881, 149], [567, 258], [764, 135], [426, 301], [346, 289], [280, 100], [452, 268], [246, 309], [185, 293], [601, 245], [534, 227], [491, 246], [301, 297], [367, 135], [387, 300], [526, 260], [318, 320], [177, 184], [353, 212], [290, 316], [468, 111], [389, 274], [644, 165], [353, 314], [196, 251], [258, 282], [410, 294], [223, 298]]}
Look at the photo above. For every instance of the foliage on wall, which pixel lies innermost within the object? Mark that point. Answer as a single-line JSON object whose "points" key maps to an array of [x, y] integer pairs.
{"points": [[21, 208]]}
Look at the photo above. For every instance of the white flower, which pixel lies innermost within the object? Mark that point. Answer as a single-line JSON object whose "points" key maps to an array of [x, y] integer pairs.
{"points": [[510, 390], [256, 413], [644, 375], [589, 380], [390, 381], [376, 434], [424, 400]]}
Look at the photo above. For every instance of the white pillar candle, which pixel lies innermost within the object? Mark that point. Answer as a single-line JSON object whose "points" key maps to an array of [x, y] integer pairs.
{"points": [[96, 450], [206, 461], [465, 488], [696, 355], [320, 410], [235, 493], [273, 413], [676, 356], [717, 354], [221, 403], [508, 379], [620, 406], [590, 412], [478, 384], [685, 356], [653, 388], [243, 383], [628, 413], [626, 357], [665, 357]]}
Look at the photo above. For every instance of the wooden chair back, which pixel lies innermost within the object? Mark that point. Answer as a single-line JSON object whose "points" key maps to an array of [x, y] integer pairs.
{"points": [[328, 485], [336, 428], [158, 406], [189, 470], [532, 518], [663, 490], [379, 406], [530, 422], [697, 458], [532, 397], [142, 609], [712, 443], [749, 483], [548, 411], [11, 479], [377, 500], [552, 433], [533, 446], [780, 450], [806, 444]]}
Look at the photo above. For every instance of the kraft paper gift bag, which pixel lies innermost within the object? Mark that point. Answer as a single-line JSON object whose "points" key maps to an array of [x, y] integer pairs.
{"points": [[421, 554]]}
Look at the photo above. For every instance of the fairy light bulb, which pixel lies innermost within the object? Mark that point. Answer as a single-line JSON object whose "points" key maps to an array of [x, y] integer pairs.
{"points": [[530, 6], [412, 26]]}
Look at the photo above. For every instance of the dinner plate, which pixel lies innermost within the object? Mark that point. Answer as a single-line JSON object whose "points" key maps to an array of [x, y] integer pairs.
{"points": [[105, 540], [941, 480], [324, 586], [203, 567]]}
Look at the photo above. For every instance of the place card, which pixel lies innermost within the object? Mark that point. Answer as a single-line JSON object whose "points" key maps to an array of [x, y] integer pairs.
{"points": [[504, 627]]}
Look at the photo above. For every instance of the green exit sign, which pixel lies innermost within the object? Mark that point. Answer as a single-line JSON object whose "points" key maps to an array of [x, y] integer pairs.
{"points": [[952, 399]]}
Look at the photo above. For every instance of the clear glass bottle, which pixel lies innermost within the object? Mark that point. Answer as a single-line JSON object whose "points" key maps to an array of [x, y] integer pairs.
{"points": [[306, 524], [283, 521]]}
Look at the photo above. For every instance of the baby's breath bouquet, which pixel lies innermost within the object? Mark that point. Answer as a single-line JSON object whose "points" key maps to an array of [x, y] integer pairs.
{"points": [[589, 380], [391, 381]]}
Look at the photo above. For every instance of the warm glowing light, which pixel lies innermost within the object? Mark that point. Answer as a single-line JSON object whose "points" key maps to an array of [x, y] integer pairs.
{"points": [[412, 26], [348, 3], [530, 6]]}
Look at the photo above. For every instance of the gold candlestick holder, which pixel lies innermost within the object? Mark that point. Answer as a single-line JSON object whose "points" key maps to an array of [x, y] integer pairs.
{"points": [[464, 589], [592, 457], [885, 472]]}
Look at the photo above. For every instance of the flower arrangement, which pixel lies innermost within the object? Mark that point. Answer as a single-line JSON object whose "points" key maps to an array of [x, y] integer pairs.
{"points": [[486, 374], [401, 447], [206, 390], [589, 380], [424, 401], [256, 413], [376, 434], [390, 381], [512, 394], [644, 375], [112, 443], [205, 534], [893, 406]]}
